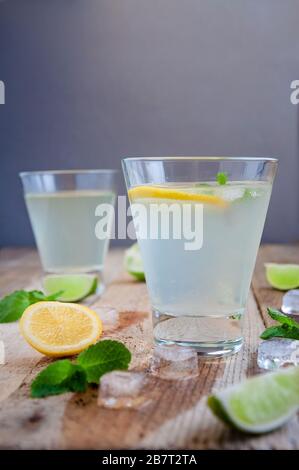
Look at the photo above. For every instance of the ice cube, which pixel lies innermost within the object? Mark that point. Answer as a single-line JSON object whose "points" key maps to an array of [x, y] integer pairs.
{"points": [[290, 303], [173, 362], [278, 352], [108, 315], [231, 194], [122, 389]]}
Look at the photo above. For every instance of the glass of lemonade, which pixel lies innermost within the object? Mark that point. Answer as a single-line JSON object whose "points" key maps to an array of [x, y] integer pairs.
{"points": [[199, 222], [62, 210]]}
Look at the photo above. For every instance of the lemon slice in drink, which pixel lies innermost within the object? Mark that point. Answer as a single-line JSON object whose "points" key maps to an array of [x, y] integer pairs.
{"points": [[60, 329], [179, 195], [133, 262], [282, 276], [259, 404], [74, 287]]}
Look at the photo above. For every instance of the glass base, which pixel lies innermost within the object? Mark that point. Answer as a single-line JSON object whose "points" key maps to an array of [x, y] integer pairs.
{"points": [[209, 336]]}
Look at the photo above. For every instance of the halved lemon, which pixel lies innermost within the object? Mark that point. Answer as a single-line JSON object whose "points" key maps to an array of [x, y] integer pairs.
{"points": [[60, 329], [167, 193]]}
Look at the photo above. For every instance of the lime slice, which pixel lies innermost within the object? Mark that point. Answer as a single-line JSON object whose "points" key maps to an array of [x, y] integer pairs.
{"points": [[133, 262], [282, 276], [259, 404], [74, 286]]}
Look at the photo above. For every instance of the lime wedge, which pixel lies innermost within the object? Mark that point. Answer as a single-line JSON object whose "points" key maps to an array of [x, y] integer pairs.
{"points": [[259, 404], [282, 276], [74, 286], [133, 262]]}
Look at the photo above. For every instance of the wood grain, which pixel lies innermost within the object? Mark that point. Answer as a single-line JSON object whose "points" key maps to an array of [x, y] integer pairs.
{"points": [[176, 415]]}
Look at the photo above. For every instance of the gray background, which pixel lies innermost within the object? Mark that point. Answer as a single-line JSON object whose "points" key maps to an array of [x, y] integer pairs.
{"points": [[90, 81]]}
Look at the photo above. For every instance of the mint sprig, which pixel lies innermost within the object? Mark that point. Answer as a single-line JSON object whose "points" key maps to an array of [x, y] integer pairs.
{"points": [[282, 318], [103, 357], [66, 376], [13, 305], [221, 178], [287, 327], [59, 377]]}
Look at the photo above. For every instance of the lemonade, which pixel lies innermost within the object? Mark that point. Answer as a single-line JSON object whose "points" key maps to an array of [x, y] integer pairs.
{"points": [[64, 226], [199, 296]]}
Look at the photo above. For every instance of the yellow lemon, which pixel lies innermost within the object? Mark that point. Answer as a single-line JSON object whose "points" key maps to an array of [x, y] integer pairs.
{"points": [[168, 193], [60, 328]]}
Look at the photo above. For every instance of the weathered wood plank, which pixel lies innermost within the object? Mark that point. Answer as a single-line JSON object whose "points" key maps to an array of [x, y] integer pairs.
{"points": [[177, 415]]}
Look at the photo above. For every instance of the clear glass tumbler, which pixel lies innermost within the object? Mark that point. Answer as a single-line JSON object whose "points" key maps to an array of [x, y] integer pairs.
{"points": [[62, 209], [199, 222]]}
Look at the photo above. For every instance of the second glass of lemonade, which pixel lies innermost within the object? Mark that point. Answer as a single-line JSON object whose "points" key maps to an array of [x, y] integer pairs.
{"points": [[199, 222], [62, 209]]}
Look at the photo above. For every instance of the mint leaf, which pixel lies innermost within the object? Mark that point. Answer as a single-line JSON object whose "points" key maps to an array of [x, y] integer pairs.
{"points": [[282, 318], [39, 296], [288, 327], [13, 305], [64, 376], [59, 377], [280, 332], [221, 178], [105, 356], [247, 194], [35, 294]]}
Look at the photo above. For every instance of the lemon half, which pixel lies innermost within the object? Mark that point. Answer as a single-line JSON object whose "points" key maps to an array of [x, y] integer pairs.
{"points": [[167, 193], [59, 328]]}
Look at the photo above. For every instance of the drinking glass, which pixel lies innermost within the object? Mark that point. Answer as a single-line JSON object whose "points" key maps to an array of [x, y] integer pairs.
{"points": [[62, 209], [198, 277]]}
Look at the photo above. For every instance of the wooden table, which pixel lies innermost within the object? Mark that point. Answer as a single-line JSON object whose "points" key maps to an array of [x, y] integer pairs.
{"points": [[177, 418]]}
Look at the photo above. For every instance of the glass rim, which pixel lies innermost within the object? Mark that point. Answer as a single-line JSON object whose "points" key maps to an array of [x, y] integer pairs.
{"points": [[67, 172], [202, 158]]}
